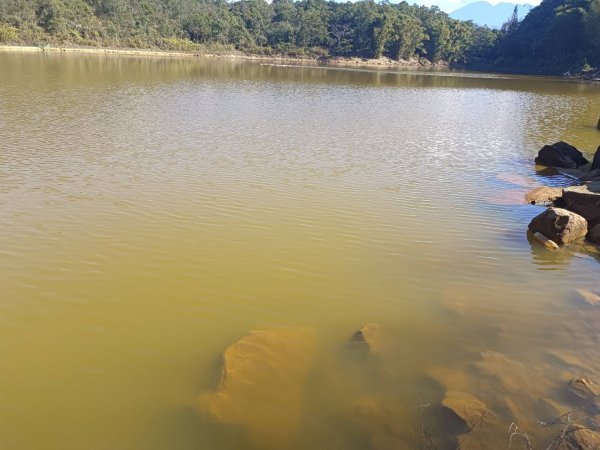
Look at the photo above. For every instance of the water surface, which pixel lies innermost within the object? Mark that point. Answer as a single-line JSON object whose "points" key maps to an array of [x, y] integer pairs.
{"points": [[154, 211]]}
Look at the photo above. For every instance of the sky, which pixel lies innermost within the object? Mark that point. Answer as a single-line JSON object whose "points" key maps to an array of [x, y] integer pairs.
{"points": [[451, 5]]}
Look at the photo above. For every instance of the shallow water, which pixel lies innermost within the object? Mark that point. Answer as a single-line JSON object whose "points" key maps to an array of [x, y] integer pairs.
{"points": [[154, 211]]}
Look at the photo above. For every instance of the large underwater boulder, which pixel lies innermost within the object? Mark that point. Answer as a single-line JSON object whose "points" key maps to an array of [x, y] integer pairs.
{"points": [[261, 387]]}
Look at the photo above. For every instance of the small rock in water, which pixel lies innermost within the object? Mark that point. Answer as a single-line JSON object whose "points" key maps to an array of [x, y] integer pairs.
{"points": [[560, 154], [369, 335], [559, 225], [589, 297], [543, 195], [466, 407]]}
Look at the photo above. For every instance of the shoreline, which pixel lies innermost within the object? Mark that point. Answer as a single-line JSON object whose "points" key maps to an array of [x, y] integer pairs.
{"points": [[340, 61]]}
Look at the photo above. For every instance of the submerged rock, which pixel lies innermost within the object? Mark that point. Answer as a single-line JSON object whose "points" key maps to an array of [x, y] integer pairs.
{"points": [[485, 436], [262, 382], [582, 388], [517, 179], [383, 423], [507, 197], [559, 225], [466, 407], [589, 297], [560, 154], [544, 195], [483, 428], [586, 393], [369, 336], [579, 439], [584, 200]]}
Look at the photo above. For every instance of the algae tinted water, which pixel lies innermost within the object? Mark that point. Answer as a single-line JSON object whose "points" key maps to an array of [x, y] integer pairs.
{"points": [[154, 211]]}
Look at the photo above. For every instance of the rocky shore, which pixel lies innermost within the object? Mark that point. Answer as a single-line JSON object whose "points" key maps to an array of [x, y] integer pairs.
{"points": [[590, 75], [573, 212], [263, 383], [276, 59]]}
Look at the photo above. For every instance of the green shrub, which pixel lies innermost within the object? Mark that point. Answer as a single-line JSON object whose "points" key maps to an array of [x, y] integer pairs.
{"points": [[8, 33], [178, 44]]}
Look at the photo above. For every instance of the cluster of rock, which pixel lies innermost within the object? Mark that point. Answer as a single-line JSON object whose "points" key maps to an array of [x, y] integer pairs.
{"points": [[574, 212], [264, 372]]}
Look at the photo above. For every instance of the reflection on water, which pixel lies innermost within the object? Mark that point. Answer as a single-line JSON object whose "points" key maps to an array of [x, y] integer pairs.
{"points": [[153, 212]]}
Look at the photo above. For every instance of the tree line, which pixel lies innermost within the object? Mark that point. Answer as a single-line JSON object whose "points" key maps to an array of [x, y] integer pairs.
{"points": [[556, 35], [305, 27]]}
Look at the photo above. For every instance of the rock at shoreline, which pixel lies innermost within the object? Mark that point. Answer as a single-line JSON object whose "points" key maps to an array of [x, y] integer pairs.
{"points": [[368, 337], [559, 225], [560, 154], [262, 382], [543, 195], [594, 234], [584, 200], [579, 174], [596, 161]]}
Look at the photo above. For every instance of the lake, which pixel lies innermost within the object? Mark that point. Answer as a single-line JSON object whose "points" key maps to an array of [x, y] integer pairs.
{"points": [[155, 211]]}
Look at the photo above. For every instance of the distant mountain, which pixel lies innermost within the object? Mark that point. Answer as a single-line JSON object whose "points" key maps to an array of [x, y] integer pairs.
{"points": [[484, 13]]}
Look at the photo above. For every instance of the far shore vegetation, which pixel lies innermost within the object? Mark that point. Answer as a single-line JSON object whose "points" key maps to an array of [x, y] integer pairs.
{"points": [[555, 37]]}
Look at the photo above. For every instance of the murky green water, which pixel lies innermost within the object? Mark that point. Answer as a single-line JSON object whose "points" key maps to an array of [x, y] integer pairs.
{"points": [[154, 211]]}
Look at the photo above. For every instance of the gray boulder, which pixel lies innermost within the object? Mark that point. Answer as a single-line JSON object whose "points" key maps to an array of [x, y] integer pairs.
{"points": [[560, 154], [584, 200], [559, 225]]}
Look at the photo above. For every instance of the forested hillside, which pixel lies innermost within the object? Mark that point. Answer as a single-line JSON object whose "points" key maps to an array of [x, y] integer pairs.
{"points": [[306, 27], [555, 37]]}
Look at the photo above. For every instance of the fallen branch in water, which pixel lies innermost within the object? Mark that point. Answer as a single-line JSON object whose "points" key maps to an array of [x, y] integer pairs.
{"points": [[516, 432]]}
